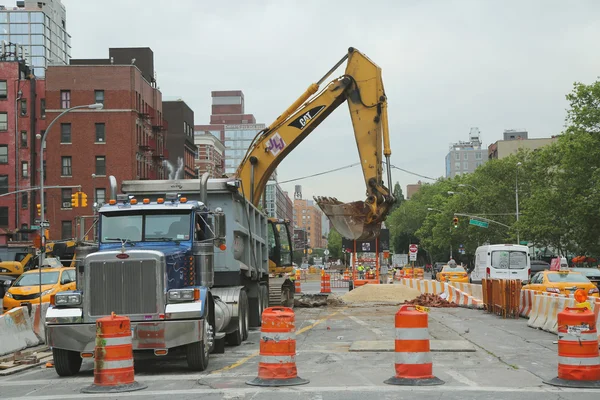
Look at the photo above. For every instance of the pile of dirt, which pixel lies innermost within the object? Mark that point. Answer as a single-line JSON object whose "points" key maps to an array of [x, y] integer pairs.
{"points": [[380, 294], [431, 300]]}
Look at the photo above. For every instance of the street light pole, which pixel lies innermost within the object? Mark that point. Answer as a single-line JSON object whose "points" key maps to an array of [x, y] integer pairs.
{"points": [[517, 199], [97, 106]]}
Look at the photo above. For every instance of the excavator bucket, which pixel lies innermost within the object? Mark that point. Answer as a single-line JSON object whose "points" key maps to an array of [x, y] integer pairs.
{"points": [[349, 219]]}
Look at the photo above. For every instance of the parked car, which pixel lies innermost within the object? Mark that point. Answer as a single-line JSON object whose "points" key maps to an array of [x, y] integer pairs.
{"points": [[5, 282], [453, 273], [563, 281], [437, 267], [593, 274]]}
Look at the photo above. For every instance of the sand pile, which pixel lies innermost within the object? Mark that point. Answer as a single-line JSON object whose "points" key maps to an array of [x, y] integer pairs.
{"points": [[380, 293]]}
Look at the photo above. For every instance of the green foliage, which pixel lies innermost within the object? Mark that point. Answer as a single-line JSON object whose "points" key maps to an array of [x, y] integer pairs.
{"points": [[334, 244], [558, 186], [398, 195]]}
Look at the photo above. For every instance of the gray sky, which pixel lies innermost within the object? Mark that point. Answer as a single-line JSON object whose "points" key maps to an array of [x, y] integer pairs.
{"points": [[447, 66]]}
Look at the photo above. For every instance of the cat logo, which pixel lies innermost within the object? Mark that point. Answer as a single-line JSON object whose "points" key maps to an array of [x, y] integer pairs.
{"points": [[305, 119]]}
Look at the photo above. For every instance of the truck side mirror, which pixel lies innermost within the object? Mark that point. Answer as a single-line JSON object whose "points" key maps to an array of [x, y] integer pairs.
{"points": [[220, 226]]}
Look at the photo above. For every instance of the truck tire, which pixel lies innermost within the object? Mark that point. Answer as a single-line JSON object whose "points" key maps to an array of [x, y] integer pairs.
{"points": [[66, 362], [236, 337], [197, 353]]}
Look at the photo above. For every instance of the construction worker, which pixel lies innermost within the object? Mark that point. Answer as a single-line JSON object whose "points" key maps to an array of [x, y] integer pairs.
{"points": [[361, 271]]}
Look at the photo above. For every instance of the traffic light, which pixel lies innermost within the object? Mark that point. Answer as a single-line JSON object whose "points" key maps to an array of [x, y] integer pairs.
{"points": [[455, 221], [75, 200], [83, 199], [39, 208]]}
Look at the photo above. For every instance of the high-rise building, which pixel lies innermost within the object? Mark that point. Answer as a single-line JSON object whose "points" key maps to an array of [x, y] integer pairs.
{"points": [[125, 139], [180, 141], [41, 28], [277, 202], [515, 140], [307, 216], [464, 157], [22, 117], [232, 126], [210, 154]]}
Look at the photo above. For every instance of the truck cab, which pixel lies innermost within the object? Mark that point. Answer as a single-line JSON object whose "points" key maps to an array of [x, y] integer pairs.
{"points": [[153, 264]]}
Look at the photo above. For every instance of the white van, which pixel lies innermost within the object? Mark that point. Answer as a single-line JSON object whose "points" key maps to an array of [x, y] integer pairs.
{"points": [[501, 261]]}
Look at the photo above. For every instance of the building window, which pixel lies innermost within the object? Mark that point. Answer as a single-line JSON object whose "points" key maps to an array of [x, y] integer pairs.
{"points": [[3, 216], [466, 156], [3, 121], [457, 156], [100, 165], [65, 195], [23, 138], [65, 99], [100, 196], [3, 90], [3, 184], [465, 166], [66, 166], [65, 133], [478, 156], [100, 133], [4, 154], [99, 96], [24, 169], [23, 107], [43, 108], [66, 230], [24, 200], [457, 165]]}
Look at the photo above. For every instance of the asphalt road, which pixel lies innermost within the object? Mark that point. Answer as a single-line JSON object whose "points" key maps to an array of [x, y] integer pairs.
{"points": [[510, 361]]}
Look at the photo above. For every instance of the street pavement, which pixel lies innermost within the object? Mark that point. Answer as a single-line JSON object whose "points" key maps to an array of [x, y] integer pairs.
{"points": [[510, 361]]}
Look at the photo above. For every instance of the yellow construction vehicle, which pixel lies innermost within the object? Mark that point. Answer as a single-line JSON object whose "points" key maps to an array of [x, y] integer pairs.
{"points": [[280, 247], [362, 87]]}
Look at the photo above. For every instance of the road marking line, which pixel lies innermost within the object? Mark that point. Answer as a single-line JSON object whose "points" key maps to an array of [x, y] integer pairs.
{"points": [[460, 377], [255, 354], [366, 325], [241, 392]]}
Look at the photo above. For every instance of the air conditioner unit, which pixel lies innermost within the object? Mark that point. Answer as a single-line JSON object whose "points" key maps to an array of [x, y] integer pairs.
{"points": [[66, 204]]}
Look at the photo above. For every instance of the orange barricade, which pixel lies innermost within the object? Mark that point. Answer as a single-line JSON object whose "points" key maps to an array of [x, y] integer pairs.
{"points": [[578, 356], [277, 365], [326, 283], [346, 275], [419, 273], [297, 286], [502, 296], [113, 362], [408, 273], [414, 365]]}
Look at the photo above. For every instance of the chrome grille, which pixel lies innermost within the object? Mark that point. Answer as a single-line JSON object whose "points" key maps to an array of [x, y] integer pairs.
{"points": [[124, 287]]}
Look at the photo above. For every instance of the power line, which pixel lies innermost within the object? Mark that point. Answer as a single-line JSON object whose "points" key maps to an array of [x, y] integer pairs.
{"points": [[412, 173], [320, 173]]}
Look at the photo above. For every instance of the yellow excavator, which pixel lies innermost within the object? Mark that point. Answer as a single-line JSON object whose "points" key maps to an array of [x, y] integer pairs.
{"points": [[361, 87]]}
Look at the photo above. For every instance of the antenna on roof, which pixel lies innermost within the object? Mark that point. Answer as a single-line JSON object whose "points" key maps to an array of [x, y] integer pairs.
{"points": [[132, 61], [112, 60]]}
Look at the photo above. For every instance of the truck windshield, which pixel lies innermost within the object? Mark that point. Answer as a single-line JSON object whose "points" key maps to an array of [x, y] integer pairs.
{"points": [[149, 226], [509, 259]]}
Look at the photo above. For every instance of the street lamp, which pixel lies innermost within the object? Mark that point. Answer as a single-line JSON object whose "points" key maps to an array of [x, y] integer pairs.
{"points": [[517, 198], [467, 185], [96, 106]]}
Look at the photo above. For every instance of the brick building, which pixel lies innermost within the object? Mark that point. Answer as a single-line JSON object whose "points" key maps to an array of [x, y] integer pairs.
{"points": [[22, 116], [125, 139], [308, 217], [180, 141], [210, 153]]}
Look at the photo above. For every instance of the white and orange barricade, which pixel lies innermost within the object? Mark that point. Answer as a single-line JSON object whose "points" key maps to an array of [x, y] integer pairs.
{"points": [[326, 283], [277, 365], [578, 356], [414, 365], [297, 286], [346, 275], [113, 357]]}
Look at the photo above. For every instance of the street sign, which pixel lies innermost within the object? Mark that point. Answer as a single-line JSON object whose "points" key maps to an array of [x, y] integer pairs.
{"points": [[34, 227], [45, 224], [476, 222], [326, 252], [523, 242], [413, 248], [412, 257]]}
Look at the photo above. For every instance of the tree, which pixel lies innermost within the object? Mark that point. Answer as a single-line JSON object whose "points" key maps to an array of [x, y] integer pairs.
{"points": [[398, 195], [334, 244]]}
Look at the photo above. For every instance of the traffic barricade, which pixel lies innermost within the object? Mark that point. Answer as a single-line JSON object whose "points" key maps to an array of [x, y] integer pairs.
{"points": [[113, 357], [578, 356], [414, 364], [325, 283], [408, 273], [277, 365], [297, 286], [419, 273], [338, 279], [502, 296]]}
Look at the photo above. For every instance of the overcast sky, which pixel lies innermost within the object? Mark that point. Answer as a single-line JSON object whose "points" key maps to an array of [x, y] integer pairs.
{"points": [[447, 66]]}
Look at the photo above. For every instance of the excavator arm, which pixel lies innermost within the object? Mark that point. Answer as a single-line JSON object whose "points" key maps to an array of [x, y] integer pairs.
{"points": [[362, 87]]}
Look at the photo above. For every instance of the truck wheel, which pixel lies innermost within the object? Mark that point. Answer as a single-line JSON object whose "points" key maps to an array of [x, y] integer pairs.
{"points": [[237, 337], [197, 353], [66, 362]]}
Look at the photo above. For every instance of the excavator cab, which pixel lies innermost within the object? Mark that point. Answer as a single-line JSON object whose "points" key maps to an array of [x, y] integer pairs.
{"points": [[280, 247]]}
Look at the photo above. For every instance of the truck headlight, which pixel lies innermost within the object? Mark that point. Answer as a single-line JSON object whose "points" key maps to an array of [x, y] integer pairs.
{"points": [[67, 299], [176, 295]]}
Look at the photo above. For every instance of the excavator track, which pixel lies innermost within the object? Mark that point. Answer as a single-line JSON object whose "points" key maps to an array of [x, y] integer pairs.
{"points": [[280, 294]]}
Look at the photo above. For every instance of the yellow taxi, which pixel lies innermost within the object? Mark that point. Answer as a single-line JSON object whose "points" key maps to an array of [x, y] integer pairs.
{"points": [[26, 289], [563, 281], [453, 273]]}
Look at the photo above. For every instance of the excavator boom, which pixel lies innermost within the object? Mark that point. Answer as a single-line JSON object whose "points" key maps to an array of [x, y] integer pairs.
{"points": [[362, 87]]}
